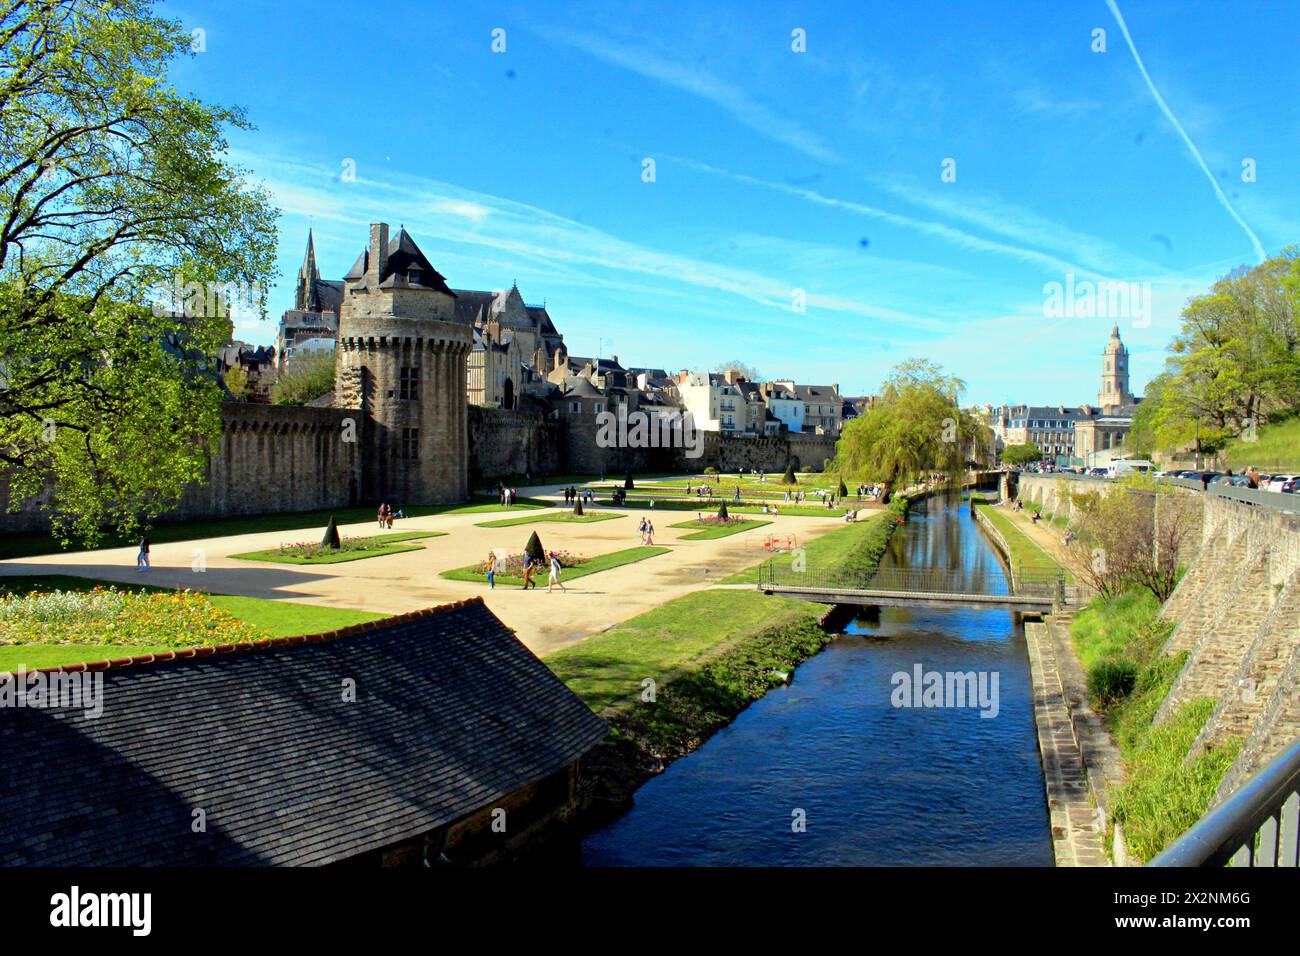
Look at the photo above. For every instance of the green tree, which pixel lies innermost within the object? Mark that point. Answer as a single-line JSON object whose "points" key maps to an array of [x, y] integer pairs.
{"points": [[789, 477], [915, 426], [534, 548], [304, 380], [123, 230], [577, 507], [1021, 454], [1234, 363], [331, 538]]}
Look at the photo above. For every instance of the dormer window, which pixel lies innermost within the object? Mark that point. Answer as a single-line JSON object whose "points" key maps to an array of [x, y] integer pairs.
{"points": [[413, 277]]}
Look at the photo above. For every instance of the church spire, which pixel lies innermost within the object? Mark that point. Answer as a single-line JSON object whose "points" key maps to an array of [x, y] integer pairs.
{"points": [[307, 299]]}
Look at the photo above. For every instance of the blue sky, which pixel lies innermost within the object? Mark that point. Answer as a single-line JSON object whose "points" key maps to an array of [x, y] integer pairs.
{"points": [[778, 171]]}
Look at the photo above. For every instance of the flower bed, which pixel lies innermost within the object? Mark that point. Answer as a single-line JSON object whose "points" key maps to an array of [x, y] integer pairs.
{"points": [[111, 616], [513, 565]]}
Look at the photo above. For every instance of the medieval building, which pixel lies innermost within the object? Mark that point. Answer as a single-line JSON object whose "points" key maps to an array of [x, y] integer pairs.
{"points": [[401, 363]]}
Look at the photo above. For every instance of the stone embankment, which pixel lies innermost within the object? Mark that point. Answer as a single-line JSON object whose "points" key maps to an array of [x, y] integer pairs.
{"points": [[1236, 612]]}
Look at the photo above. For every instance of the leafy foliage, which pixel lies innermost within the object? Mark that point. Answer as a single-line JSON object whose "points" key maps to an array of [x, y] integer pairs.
{"points": [[304, 380], [914, 427], [1021, 454], [113, 186]]}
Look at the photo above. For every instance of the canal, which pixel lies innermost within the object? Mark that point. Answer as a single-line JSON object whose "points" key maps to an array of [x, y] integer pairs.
{"points": [[828, 771]]}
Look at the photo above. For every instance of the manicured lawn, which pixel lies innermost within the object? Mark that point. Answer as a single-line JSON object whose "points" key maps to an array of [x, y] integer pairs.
{"points": [[855, 547], [310, 523], [707, 532], [1026, 554], [269, 618], [561, 516], [607, 670], [602, 562], [383, 544]]}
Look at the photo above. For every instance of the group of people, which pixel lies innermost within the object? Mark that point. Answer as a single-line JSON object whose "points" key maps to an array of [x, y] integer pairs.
{"points": [[572, 494], [647, 531], [497, 564], [387, 514], [870, 491], [506, 496]]}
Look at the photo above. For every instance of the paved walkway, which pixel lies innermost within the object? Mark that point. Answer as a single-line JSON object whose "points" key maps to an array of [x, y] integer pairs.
{"points": [[397, 583], [1077, 825]]}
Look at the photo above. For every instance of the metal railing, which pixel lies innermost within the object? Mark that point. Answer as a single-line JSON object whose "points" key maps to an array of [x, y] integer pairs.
{"points": [[1259, 825], [785, 572]]}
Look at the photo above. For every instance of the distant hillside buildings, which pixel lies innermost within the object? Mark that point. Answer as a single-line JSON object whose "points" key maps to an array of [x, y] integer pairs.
{"points": [[1087, 435]]}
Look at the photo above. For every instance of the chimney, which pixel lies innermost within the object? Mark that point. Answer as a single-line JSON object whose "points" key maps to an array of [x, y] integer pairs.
{"points": [[378, 260]]}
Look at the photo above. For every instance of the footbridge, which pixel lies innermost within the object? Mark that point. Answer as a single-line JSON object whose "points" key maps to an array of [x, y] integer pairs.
{"points": [[1028, 591]]}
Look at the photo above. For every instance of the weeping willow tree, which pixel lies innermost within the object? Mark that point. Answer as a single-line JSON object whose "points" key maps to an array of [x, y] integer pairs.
{"points": [[914, 427]]}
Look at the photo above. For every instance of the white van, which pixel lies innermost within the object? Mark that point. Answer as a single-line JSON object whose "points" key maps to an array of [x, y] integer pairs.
{"points": [[1129, 466]]}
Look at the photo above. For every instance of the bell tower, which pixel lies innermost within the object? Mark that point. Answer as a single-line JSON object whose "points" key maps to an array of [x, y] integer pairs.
{"points": [[1114, 373]]}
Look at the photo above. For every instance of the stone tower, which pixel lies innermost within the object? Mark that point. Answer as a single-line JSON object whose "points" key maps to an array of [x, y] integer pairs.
{"points": [[1114, 373], [401, 361]]}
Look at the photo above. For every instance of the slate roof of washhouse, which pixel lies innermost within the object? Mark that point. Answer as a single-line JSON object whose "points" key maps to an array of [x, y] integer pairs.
{"points": [[452, 712]]}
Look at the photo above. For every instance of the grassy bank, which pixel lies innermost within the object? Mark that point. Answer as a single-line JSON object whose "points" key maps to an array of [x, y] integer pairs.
{"points": [[264, 618], [1278, 449], [602, 562], [708, 654], [1119, 643], [855, 548], [1026, 554]]}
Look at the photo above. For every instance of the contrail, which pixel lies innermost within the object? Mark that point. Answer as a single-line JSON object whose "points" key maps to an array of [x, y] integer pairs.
{"points": [[1164, 107]]}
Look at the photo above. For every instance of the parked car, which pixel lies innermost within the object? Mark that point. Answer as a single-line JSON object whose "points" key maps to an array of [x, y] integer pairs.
{"points": [[1291, 487], [1277, 482]]}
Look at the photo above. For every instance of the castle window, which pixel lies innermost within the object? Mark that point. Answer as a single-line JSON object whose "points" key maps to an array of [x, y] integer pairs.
{"points": [[408, 384], [410, 448]]}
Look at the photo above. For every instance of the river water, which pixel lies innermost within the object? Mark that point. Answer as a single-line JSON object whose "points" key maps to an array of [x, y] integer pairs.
{"points": [[871, 783]]}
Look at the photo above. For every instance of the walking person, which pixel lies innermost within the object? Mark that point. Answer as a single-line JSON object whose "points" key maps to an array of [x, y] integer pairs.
{"points": [[554, 579], [142, 559], [641, 530], [492, 570], [649, 532], [528, 572], [380, 514]]}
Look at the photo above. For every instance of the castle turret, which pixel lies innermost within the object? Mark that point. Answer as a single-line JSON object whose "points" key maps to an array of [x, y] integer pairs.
{"points": [[401, 361]]}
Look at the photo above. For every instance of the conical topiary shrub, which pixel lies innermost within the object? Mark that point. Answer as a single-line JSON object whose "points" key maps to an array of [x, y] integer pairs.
{"points": [[844, 491], [628, 483], [722, 512], [789, 478], [331, 539], [577, 507], [534, 549]]}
